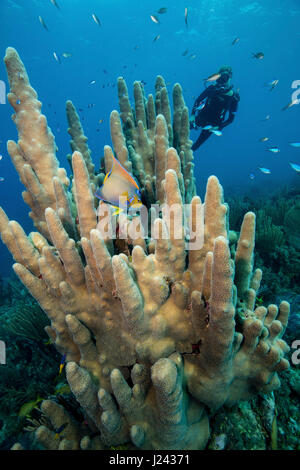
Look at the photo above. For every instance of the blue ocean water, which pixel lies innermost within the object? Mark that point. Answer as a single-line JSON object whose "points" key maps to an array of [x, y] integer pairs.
{"points": [[124, 46]]}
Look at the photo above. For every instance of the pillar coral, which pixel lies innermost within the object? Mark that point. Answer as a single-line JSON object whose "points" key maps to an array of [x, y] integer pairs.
{"points": [[156, 335]]}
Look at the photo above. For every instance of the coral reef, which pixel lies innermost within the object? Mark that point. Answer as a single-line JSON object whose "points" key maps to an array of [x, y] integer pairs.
{"points": [[159, 331], [276, 240], [31, 365], [269, 236], [292, 222]]}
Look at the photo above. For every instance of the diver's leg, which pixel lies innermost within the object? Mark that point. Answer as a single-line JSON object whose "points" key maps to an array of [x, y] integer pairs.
{"points": [[201, 139]]}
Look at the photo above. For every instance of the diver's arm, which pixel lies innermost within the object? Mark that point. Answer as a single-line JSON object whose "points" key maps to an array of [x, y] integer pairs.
{"points": [[232, 110], [228, 121], [201, 97]]}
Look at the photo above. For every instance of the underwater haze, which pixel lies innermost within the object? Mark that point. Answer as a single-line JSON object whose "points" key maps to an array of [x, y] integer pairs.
{"points": [[89, 57]]}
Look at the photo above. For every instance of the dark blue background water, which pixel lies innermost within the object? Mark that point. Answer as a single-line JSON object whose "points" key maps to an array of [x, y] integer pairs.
{"points": [[123, 46]]}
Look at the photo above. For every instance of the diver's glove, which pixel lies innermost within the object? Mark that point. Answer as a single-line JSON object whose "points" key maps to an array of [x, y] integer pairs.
{"points": [[192, 122]]}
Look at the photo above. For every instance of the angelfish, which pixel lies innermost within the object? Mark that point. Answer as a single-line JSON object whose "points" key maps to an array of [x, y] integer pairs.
{"points": [[119, 184]]}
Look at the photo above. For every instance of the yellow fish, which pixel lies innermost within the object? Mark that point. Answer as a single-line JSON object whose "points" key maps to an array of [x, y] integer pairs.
{"points": [[27, 408], [59, 430], [118, 183], [62, 364]]}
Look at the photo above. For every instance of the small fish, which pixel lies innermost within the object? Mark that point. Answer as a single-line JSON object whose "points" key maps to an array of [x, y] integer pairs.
{"points": [[292, 103], [18, 102], [264, 139], [59, 430], [273, 149], [1, 157], [56, 57], [104, 71], [293, 144], [66, 54], [295, 166], [193, 56], [118, 183], [48, 342], [251, 176], [62, 389], [162, 10], [273, 84], [96, 19], [258, 55], [43, 23], [185, 52], [92, 82], [100, 121], [54, 2], [265, 170], [156, 38], [267, 117], [62, 364], [186, 16], [235, 41], [27, 408], [1, 179], [154, 19], [207, 128], [213, 77]]}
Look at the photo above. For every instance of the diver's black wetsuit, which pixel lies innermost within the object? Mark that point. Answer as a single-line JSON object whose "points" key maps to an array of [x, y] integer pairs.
{"points": [[219, 101]]}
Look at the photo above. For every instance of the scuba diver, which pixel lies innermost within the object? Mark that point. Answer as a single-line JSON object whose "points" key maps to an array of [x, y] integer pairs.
{"points": [[210, 108]]}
